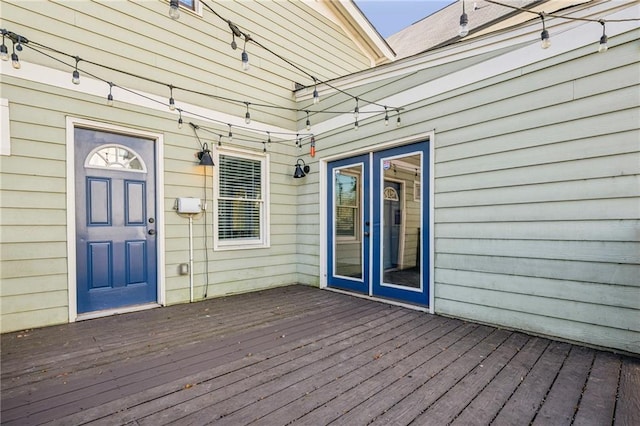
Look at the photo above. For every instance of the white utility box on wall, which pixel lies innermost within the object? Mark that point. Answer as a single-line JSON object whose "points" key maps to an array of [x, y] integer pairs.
{"points": [[189, 205]]}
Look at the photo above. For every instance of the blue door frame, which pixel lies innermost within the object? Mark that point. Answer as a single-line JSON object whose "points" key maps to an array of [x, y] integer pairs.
{"points": [[371, 223]]}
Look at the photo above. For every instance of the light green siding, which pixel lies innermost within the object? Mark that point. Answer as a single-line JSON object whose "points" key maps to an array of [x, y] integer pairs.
{"points": [[193, 52], [538, 201], [537, 191]]}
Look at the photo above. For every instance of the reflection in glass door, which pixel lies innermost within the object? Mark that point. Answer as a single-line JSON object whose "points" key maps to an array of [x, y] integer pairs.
{"points": [[349, 224], [399, 216], [378, 224]]}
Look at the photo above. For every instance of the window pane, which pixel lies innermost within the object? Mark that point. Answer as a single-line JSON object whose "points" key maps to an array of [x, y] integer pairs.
{"points": [[240, 178], [238, 219], [114, 157], [240, 198], [346, 190], [347, 201], [345, 221], [188, 3]]}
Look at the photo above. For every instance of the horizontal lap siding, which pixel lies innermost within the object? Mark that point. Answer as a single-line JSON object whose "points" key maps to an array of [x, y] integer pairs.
{"points": [[538, 203], [192, 52]]}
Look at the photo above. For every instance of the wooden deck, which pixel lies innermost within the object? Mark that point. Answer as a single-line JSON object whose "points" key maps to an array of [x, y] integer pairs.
{"points": [[306, 356]]}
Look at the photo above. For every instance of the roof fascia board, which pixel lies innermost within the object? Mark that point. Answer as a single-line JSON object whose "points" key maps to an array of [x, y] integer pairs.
{"points": [[578, 35], [526, 33], [346, 14]]}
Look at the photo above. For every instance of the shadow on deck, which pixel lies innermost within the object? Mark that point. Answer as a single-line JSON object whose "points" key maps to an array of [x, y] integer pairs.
{"points": [[306, 356]]}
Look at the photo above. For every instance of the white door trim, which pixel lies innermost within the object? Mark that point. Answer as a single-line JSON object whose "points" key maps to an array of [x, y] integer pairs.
{"points": [[71, 123]]}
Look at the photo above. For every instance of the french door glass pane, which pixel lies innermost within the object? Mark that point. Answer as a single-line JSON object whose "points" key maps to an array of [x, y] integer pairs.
{"points": [[401, 215], [347, 222]]}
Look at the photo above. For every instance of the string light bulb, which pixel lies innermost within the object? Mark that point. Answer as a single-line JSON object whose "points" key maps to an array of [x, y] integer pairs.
{"points": [[356, 111], [386, 117], [247, 116], [308, 122], [356, 126], [75, 79], [245, 56], [110, 95], [219, 140], [230, 136], [544, 35], [602, 47], [464, 23], [180, 119], [172, 102], [398, 122], [174, 9], [4, 52], [269, 139], [316, 95], [15, 61]]}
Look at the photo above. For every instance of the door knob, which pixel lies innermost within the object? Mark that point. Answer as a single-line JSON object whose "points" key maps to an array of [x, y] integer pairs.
{"points": [[152, 232], [366, 234]]}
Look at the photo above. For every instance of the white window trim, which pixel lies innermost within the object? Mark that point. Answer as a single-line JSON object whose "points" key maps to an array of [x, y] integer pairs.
{"points": [[265, 227], [5, 134], [197, 8]]}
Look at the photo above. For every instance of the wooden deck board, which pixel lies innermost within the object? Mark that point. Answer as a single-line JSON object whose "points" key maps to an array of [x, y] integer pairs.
{"points": [[599, 397], [525, 402], [264, 383], [628, 407], [367, 390], [433, 386], [490, 400], [445, 409], [289, 404], [561, 402], [214, 379], [304, 356]]}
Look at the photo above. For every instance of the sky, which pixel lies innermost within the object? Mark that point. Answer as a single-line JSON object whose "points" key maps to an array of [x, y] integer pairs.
{"points": [[391, 16]]}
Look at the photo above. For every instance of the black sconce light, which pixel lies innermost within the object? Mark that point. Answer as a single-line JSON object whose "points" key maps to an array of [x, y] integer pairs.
{"points": [[301, 171], [205, 156]]}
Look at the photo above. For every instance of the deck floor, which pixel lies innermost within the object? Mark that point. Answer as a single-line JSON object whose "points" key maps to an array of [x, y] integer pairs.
{"points": [[306, 356]]}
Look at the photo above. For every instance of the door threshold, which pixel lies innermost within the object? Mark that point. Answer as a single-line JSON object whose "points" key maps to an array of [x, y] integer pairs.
{"points": [[380, 299], [116, 311]]}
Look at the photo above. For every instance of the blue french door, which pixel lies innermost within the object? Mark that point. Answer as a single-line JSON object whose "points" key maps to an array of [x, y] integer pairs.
{"points": [[349, 224], [115, 220], [378, 224]]}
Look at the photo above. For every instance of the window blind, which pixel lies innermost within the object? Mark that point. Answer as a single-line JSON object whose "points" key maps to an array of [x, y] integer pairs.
{"points": [[240, 198]]}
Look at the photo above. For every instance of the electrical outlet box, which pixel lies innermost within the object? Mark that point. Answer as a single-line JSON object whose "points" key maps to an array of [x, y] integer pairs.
{"points": [[189, 205]]}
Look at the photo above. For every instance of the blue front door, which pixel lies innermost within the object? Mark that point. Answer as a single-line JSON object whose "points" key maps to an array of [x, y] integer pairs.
{"points": [[378, 224], [115, 220]]}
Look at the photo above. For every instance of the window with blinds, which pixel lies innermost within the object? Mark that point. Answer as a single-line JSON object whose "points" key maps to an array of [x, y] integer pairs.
{"points": [[347, 205], [240, 201]]}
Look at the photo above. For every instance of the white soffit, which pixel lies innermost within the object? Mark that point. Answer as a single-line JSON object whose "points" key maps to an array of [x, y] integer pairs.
{"points": [[569, 36], [57, 78]]}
